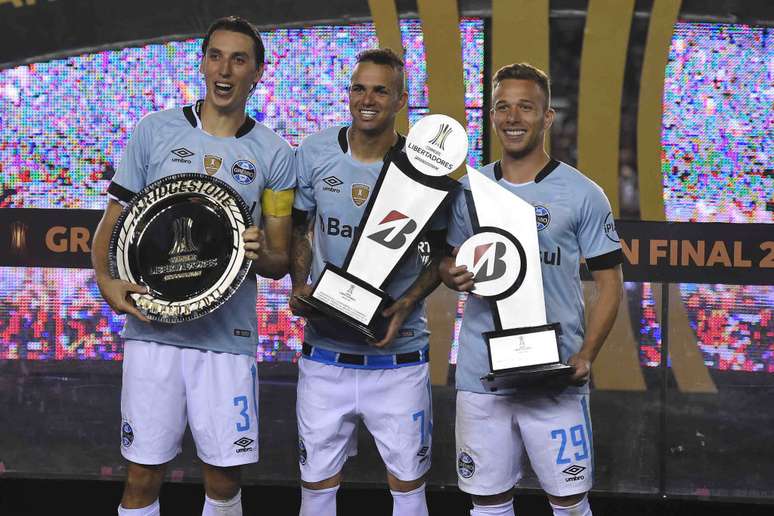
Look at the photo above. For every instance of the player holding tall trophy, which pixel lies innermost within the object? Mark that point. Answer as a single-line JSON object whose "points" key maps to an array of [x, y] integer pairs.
{"points": [[550, 420], [365, 355]]}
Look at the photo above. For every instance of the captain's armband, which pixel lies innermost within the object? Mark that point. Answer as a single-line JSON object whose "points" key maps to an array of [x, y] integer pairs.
{"points": [[277, 204]]}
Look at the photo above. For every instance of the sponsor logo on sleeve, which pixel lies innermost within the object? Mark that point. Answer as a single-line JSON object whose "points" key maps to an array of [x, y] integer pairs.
{"points": [[609, 227]]}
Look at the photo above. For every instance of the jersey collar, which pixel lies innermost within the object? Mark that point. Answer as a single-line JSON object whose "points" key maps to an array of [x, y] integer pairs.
{"points": [[550, 167], [194, 116], [344, 143]]}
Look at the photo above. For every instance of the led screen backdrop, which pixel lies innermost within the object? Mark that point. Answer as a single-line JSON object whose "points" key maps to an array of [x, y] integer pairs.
{"points": [[64, 125]]}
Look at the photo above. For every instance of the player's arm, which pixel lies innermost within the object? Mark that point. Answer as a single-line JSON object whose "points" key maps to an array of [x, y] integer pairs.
{"points": [[423, 286], [456, 278], [114, 291], [602, 310], [268, 247], [300, 259]]}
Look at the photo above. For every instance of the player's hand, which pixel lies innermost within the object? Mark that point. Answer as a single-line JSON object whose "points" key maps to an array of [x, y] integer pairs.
{"points": [[296, 306], [581, 369], [254, 242], [116, 294], [456, 278], [398, 311]]}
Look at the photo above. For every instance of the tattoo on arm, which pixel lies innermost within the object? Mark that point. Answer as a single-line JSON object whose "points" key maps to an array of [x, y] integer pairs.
{"points": [[300, 255]]}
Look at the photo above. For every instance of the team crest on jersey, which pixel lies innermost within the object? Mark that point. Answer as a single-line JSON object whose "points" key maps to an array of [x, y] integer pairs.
{"points": [[212, 163], [127, 434], [360, 193], [609, 228], [243, 171], [543, 217], [301, 451], [465, 465]]}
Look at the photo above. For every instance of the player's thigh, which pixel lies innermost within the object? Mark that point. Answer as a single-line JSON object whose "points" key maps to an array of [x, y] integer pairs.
{"points": [[326, 417], [396, 407], [153, 405], [222, 397], [490, 451], [558, 438]]}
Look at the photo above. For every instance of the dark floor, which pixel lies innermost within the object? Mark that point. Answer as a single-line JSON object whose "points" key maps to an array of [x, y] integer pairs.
{"points": [[25, 497]]}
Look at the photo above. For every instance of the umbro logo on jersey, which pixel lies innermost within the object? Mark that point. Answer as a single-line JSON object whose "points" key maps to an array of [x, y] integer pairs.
{"points": [[182, 153], [244, 444], [332, 183], [575, 473], [393, 230]]}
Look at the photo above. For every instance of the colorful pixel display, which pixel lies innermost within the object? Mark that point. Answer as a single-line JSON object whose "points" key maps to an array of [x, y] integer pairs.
{"points": [[64, 125], [718, 166]]}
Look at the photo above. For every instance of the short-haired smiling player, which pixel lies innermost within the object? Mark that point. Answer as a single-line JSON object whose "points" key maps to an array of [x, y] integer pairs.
{"points": [[200, 372], [342, 380], [550, 424]]}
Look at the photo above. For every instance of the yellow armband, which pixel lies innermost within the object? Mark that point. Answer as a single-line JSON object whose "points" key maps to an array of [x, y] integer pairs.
{"points": [[277, 204]]}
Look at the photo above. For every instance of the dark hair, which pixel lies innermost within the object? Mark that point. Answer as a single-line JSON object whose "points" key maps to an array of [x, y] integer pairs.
{"points": [[386, 57], [527, 72], [237, 24]]}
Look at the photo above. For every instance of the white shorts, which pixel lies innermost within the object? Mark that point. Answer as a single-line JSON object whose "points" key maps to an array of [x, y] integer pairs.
{"points": [[395, 405], [493, 432], [164, 387]]}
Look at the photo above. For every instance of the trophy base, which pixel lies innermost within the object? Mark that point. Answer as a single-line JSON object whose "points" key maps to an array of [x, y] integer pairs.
{"points": [[533, 375], [329, 322], [349, 308]]}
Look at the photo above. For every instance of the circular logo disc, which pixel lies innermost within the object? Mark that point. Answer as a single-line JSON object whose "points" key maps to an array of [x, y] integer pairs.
{"points": [[437, 145], [497, 261], [181, 237]]}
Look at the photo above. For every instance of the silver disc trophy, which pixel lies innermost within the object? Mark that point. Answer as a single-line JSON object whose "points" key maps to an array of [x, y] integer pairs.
{"points": [[503, 255], [412, 186], [181, 237]]}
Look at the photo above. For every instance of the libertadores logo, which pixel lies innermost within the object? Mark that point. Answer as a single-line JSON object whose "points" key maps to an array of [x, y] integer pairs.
{"points": [[444, 130]]}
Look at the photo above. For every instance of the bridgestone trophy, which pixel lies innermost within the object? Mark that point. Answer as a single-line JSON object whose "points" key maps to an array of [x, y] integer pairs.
{"points": [[411, 187], [503, 255], [181, 237]]}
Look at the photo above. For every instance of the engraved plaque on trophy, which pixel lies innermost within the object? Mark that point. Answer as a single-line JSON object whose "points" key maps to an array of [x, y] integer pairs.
{"points": [[181, 237], [503, 255], [412, 186]]}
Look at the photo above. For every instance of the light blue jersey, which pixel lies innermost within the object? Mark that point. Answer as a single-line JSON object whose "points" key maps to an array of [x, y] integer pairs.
{"points": [[574, 220], [334, 188], [253, 162]]}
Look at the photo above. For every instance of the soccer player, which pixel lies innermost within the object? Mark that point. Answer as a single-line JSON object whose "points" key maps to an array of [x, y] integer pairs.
{"points": [[550, 423], [203, 371], [343, 380]]}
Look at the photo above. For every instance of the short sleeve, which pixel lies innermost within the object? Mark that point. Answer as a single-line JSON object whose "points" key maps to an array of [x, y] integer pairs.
{"points": [[304, 199], [132, 172], [282, 171], [596, 226], [460, 227]]}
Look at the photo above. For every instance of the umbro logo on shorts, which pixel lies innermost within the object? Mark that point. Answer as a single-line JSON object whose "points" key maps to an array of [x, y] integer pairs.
{"points": [[301, 451], [423, 453], [465, 465], [127, 435], [575, 473], [244, 444]]}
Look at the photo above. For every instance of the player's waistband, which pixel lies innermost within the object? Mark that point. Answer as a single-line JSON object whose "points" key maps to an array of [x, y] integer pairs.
{"points": [[357, 361]]}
